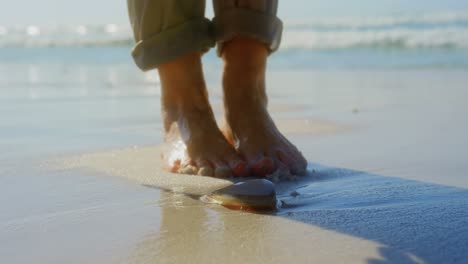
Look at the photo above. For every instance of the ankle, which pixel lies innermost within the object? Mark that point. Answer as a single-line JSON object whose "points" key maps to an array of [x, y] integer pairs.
{"points": [[172, 70], [244, 70], [244, 87], [244, 53], [183, 86]]}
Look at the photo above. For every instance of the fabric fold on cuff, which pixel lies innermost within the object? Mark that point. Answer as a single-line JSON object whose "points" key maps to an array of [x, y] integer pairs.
{"points": [[191, 36], [233, 22]]}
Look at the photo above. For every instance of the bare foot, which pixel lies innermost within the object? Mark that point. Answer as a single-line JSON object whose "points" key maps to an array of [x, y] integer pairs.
{"points": [[194, 144], [249, 126]]}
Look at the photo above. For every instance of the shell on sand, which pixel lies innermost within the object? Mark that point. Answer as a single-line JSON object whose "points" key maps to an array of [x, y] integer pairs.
{"points": [[258, 194]]}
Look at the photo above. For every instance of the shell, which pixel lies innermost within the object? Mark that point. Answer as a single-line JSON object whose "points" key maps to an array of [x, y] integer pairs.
{"points": [[252, 195]]}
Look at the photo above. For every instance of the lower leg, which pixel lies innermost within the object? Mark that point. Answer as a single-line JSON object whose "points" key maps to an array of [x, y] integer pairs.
{"points": [[249, 126], [194, 143]]}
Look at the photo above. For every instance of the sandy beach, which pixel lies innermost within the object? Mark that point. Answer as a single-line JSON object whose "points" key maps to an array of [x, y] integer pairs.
{"points": [[81, 180]]}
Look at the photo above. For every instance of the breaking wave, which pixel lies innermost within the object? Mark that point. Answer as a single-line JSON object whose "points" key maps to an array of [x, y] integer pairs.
{"points": [[442, 31]]}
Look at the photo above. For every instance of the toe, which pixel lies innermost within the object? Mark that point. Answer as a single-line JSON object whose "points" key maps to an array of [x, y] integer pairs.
{"points": [[175, 166], [188, 169], [294, 162], [205, 171], [263, 166], [239, 168], [205, 168], [284, 171], [221, 170], [283, 157]]}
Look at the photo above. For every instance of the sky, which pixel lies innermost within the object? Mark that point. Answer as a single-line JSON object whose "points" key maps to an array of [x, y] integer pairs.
{"points": [[53, 12]]}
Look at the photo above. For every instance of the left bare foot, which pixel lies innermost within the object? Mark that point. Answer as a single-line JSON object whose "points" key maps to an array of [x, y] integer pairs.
{"points": [[193, 142], [249, 126]]}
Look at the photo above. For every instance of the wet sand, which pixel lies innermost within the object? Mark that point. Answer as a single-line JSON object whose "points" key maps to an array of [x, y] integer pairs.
{"points": [[386, 184]]}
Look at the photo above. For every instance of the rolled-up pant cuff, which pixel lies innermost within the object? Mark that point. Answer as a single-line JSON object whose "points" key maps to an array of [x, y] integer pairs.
{"points": [[191, 36], [264, 27]]}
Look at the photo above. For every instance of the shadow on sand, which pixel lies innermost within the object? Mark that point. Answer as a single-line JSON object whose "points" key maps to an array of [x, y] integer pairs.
{"points": [[409, 218]]}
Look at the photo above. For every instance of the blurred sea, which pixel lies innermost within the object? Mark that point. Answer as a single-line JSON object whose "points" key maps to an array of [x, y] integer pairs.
{"points": [[425, 41]]}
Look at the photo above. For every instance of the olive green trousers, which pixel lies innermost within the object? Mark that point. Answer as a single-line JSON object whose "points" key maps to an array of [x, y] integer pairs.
{"points": [[167, 29]]}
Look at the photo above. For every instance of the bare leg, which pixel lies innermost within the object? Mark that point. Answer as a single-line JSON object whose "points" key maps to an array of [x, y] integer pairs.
{"points": [[194, 143], [249, 127]]}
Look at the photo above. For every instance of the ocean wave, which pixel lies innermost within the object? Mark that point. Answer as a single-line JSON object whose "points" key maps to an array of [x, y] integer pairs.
{"points": [[421, 21], [448, 38], [65, 36], [443, 31]]}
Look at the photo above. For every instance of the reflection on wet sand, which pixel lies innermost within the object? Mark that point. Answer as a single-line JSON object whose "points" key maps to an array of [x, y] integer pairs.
{"points": [[192, 232]]}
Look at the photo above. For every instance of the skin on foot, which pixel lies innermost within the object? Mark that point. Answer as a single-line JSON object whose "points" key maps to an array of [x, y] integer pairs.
{"points": [[193, 142], [249, 127]]}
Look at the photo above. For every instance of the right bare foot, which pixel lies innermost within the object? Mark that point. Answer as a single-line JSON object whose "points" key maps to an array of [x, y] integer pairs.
{"points": [[249, 126], [194, 144]]}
